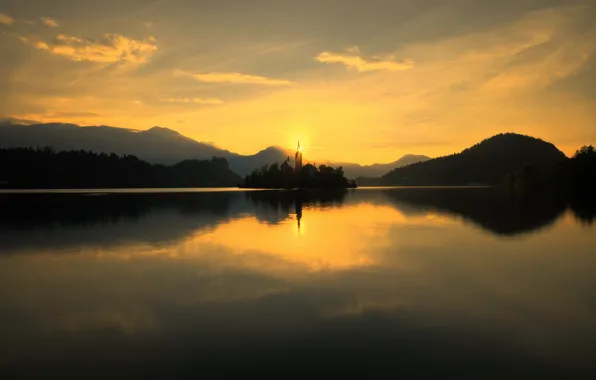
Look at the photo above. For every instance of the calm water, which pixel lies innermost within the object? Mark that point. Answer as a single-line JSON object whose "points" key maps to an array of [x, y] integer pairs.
{"points": [[393, 282]]}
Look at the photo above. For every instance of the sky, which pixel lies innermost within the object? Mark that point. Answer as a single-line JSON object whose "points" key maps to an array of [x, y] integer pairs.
{"points": [[354, 81]]}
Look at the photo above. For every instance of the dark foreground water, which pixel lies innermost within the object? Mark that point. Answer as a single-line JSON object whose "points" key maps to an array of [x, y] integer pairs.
{"points": [[399, 283]]}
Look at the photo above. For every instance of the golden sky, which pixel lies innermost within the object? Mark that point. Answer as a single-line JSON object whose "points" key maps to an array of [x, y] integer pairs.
{"points": [[355, 81]]}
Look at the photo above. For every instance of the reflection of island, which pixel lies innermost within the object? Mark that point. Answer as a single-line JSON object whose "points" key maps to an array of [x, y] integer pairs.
{"points": [[285, 176], [47, 221], [282, 201], [298, 204], [491, 209]]}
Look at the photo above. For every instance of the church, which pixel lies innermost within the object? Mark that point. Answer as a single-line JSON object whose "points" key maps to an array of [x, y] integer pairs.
{"points": [[298, 159], [309, 169]]}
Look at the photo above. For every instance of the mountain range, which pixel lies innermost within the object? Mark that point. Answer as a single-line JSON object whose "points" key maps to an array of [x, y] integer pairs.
{"points": [[160, 145]]}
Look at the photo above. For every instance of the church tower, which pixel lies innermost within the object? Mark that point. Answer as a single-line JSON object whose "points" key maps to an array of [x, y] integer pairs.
{"points": [[298, 159]]}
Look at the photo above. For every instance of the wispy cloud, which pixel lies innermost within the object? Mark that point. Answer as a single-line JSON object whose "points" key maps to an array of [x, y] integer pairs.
{"points": [[5, 19], [111, 48], [69, 114], [50, 22], [236, 78], [353, 60], [212, 101], [52, 115]]}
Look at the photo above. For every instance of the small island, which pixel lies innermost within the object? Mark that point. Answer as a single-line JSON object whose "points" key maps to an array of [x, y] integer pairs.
{"points": [[307, 176]]}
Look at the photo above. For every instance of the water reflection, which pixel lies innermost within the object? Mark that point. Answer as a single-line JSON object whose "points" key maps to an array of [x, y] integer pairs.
{"points": [[490, 209], [118, 218], [406, 282]]}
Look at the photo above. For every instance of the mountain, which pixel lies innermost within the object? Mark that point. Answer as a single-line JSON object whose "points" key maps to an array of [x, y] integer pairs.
{"points": [[157, 145], [377, 170], [244, 165], [484, 163]]}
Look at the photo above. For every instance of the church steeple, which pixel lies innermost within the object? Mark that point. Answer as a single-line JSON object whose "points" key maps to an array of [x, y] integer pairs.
{"points": [[298, 158]]}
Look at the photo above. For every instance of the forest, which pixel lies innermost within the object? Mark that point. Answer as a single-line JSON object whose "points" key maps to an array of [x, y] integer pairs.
{"points": [[485, 163], [30, 168], [576, 175], [284, 176]]}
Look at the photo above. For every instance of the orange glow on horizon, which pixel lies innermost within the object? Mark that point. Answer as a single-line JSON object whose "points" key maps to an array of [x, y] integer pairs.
{"points": [[363, 104]]}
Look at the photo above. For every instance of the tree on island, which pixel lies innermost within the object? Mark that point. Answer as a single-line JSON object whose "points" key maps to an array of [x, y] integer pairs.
{"points": [[284, 176]]}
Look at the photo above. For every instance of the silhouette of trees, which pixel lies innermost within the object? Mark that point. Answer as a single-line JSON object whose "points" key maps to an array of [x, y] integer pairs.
{"points": [[576, 175], [46, 168], [284, 176], [585, 153], [581, 170]]}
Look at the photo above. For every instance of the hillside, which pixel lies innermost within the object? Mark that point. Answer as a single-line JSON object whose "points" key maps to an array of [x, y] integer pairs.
{"points": [[157, 145], [484, 163], [26, 168]]}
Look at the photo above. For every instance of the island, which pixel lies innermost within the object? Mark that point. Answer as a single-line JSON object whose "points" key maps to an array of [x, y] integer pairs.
{"points": [[309, 176]]}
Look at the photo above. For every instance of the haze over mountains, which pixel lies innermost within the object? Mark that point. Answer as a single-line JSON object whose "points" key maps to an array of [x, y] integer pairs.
{"points": [[161, 145]]}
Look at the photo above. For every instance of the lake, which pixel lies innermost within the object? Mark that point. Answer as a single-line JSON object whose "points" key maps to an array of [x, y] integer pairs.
{"points": [[405, 282]]}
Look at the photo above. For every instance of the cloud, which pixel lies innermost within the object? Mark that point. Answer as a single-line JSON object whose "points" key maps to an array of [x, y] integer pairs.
{"points": [[111, 48], [16, 120], [5, 19], [235, 78], [69, 114], [50, 22], [353, 60], [50, 116], [555, 61], [212, 101]]}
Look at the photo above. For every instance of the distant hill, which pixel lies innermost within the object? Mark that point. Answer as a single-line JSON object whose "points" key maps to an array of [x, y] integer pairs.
{"points": [[159, 145], [377, 170], [484, 163]]}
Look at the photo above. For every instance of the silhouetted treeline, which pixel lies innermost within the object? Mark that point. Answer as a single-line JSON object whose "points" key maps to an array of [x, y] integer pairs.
{"points": [[576, 176], [484, 163], [284, 176], [46, 168]]}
